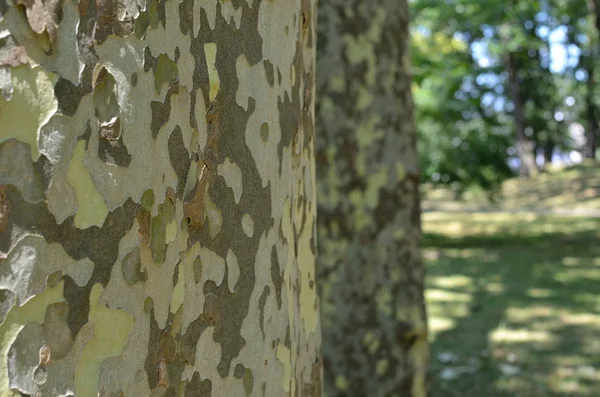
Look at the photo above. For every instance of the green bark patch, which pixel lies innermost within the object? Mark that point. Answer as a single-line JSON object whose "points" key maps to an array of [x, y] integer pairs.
{"points": [[198, 387], [180, 159], [165, 72], [131, 265], [161, 111], [158, 230]]}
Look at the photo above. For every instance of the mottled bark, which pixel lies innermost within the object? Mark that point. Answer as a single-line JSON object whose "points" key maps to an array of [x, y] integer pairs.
{"points": [[371, 272], [157, 199], [527, 165]]}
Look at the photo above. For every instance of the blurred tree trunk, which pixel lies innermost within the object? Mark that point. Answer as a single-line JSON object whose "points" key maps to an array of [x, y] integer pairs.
{"points": [[594, 10], [592, 130], [528, 165], [549, 151], [371, 271], [157, 199]]}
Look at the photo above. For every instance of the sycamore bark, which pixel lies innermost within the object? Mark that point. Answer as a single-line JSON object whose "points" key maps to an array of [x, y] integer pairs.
{"points": [[157, 198], [374, 322]]}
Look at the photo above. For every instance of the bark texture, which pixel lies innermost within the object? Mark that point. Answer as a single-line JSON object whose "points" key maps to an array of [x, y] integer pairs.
{"points": [[370, 268], [157, 198]]}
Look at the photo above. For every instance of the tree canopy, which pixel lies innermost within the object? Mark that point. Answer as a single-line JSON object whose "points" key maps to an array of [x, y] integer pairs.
{"points": [[464, 52]]}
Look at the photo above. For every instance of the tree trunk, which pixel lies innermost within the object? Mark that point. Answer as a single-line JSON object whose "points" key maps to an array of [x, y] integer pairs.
{"points": [[548, 151], [527, 165], [157, 203], [594, 10], [371, 272], [592, 132]]}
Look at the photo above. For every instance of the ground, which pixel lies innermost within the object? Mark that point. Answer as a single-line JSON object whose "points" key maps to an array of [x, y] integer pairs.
{"points": [[513, 287], [554, 190], [514, 304]]}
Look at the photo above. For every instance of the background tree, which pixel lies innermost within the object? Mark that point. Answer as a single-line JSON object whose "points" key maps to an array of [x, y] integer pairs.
{"points": [[157, 199], [374, 322], [551, 45], [461, 140]]}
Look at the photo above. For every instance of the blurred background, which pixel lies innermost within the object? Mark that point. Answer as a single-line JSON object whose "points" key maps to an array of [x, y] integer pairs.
{"points": [[507, 99]]}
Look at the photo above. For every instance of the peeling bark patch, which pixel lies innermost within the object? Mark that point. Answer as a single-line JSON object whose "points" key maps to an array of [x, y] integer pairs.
{"points": [[56, 330], [146, 19], [248, 225], [3, 8], [158, 230], [108, 21], [161, 111], [195, 206], [131, 267], [269, 72], [103, 250], [261, 306], [233, 270], [180, 159], [198, 388], [290, 109], [111, 148], [162, 362], [17, 169], [186, 16], [197, 264], [68, 96], [221, 312], [92, 209], [264, 132], [276, 275], [43, 16], [210, 51], [233, 177], [23, 358], [6, 87], [12, 54], [7, 300], [165, 73], [152, 361], [111, 330], [187, 342], [4, 211], [248, 380]]}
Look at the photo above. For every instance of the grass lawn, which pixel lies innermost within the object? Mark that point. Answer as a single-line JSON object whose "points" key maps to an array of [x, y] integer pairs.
{"points": [[575, 186], [514, 304]]}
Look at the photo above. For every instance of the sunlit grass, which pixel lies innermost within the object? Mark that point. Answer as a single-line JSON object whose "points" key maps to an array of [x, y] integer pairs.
{"points": [[516, 297], [577, 186], [506, 336]]}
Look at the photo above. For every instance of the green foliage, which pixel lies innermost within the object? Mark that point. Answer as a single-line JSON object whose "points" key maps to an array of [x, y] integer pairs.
{"points": [[463, 105], [459, 141]]}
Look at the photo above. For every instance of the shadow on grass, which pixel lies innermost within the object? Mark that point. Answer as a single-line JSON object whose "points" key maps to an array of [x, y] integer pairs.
{"points": [[514, 311]]}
